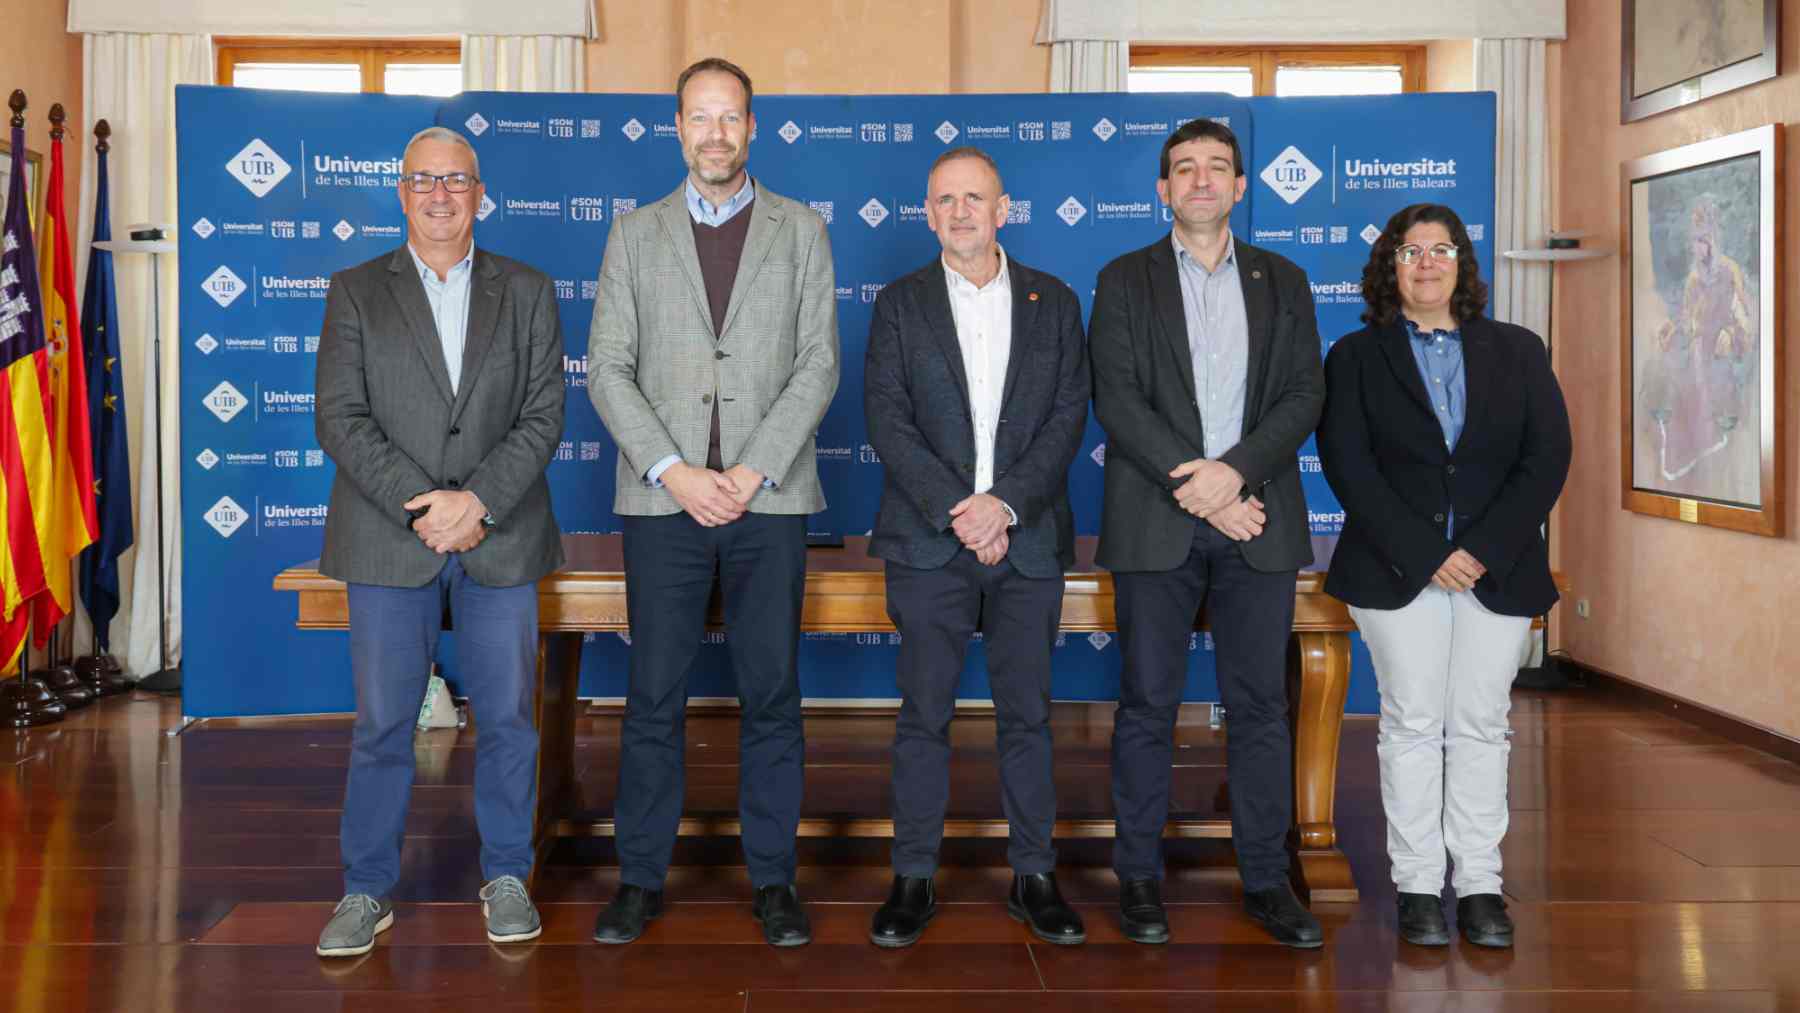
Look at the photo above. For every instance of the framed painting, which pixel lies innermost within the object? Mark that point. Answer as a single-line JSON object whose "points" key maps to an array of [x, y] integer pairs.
{"points": [[1701, 345], [1677, 52], [34, 180]]}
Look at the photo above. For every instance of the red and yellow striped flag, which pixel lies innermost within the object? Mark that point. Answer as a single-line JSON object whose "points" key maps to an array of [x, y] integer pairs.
{"points": [[25, 459], [66, 521]]}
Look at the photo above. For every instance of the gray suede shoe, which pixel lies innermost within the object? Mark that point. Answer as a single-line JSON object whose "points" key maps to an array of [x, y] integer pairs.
{"points": [[351, 932], [507, 908]]}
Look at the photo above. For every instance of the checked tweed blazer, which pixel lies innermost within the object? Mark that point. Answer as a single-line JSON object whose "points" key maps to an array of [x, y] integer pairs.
{"points": [[655, 367]]}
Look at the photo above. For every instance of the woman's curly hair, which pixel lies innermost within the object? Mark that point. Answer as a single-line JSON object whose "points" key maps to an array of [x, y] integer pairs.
{"points": [[1380, 290]]}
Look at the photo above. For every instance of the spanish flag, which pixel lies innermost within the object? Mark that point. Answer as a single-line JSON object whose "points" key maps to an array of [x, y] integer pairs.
{"points": [[68, 524], [26, 472]]}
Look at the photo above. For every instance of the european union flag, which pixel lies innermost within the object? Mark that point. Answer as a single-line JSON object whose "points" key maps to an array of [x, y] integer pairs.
{"points": [[106, 416]]}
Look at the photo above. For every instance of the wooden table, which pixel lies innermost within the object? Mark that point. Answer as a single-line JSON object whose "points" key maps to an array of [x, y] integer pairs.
{"points": [[845, 594]]}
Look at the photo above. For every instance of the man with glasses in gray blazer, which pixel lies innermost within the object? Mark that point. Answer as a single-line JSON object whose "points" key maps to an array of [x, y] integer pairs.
{"points": [[440, 400], [712, 357]]}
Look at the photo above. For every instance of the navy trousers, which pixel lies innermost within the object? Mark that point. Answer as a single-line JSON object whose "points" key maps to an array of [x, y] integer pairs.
{"points": [[393, 643], [670, 561], [935, 612], [1251, 615]]}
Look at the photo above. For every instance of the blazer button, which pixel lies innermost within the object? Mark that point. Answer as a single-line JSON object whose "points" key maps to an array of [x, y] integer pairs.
{"points": [[454, 484], [455, 430], [706, 399], [1449, 469], [718, 355], [1438, 517], [1399, 574]]}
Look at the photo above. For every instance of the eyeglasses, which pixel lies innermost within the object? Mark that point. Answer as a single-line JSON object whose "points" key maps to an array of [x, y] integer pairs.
{"points": [[1443, 253], [425, 182]]}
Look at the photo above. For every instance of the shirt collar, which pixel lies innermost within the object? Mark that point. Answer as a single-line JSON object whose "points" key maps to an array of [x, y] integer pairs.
{"points": [[427, 274], [1229, 260], [955, 278], [703, 209], [1417, 333]]}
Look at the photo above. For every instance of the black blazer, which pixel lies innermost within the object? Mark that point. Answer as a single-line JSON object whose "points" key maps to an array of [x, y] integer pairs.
{"points": [[917, 403], [1144, 398], [1384, 456]]}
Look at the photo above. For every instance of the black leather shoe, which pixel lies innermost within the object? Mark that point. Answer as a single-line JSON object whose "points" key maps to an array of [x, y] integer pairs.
{"points": [[1279, 911], [783, 920], [901, 921], [623, 920], [1422, 920], [1036, 901], [1484, 921], [1141, 913]]}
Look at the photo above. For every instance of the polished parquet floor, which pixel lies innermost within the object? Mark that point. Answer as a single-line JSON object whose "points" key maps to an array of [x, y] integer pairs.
{"points": [[1650, 865]]}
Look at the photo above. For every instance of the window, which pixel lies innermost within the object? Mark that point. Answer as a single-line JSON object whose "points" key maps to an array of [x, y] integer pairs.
{"points": [[420, 67], [1279, 70]]}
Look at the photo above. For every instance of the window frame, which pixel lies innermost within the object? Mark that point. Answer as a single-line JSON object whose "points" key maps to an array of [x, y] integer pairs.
{"points": [[1263, 61], [371, 55]]}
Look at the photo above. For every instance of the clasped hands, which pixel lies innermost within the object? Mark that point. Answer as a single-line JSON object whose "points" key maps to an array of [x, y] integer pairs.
{"points": [[451, 522], [712, 497], [1459, 572], [980, 521], [1211, 494]]}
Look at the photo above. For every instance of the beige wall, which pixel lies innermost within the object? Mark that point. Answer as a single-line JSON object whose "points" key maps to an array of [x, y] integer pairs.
{"points": [[36, 54], [1450, 65], [841, 47], [1701, 613]]}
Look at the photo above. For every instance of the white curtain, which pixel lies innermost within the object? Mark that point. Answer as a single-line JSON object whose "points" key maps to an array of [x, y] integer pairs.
{"points": [[129, 80], [336, 18], [556, 63], [1223, 22], [1089, 65], [1513, 69]]}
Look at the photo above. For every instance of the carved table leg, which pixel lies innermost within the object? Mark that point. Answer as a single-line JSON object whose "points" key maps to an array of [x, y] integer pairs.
{"points": [[1318, 678], [558, 679]]}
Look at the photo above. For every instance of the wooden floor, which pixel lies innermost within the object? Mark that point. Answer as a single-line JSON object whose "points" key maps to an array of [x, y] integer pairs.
{"points": [[1650, 865]]}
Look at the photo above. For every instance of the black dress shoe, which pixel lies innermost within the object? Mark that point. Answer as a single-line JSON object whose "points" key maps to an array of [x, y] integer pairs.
{"points": [[1422, 920], [1141, 913], [1036, 901], [1484, 921], [783, 920], [1279, 911], [623, 920], [901, 921]]}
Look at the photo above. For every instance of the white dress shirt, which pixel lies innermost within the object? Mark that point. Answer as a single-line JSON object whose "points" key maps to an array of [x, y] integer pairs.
{"points": [[983, 317], [449, 298]]}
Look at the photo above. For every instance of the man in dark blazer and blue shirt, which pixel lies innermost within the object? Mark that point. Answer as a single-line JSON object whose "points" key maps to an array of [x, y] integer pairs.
{"points": [[976, 393], [1207, 381]]}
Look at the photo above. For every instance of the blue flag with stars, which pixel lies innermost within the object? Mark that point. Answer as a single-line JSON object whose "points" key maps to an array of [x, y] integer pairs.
{"points": [[106, 414]]}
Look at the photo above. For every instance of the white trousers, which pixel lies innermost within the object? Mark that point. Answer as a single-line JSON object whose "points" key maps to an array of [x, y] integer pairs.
{"points": [[1445, 666]]}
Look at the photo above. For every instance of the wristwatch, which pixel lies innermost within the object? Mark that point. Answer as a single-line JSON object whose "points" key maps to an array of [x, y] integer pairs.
{"points": [[488, 521]]}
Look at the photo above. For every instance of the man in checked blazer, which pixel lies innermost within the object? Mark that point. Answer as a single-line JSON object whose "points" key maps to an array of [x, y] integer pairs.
{"points": [[440, 400], [976, 394], [712, 357]]}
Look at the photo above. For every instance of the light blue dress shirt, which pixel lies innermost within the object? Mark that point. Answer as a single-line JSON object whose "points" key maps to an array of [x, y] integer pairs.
{"points": [[1439, 355], [1218, 343], [449, 299], [706, 213]]}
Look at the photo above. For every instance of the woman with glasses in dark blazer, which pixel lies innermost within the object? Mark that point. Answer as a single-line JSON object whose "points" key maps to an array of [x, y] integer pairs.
{"points": [[1446, 440]]}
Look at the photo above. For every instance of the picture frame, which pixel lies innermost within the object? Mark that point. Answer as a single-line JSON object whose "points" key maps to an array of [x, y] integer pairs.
{"points": [[1702, 409], [34, 180], [1678, 52]]}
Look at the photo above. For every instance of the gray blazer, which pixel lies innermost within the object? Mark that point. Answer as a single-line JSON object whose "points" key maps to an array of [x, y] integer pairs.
{"points": [[385, 414], [654, 367]]}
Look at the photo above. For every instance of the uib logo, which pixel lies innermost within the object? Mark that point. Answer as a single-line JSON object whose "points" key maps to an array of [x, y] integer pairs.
{"points": [[1291, 174], [258, 167]]}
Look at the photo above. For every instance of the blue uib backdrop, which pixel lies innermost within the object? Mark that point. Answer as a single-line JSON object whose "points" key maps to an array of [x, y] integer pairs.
{"points": [[279, 190]]}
